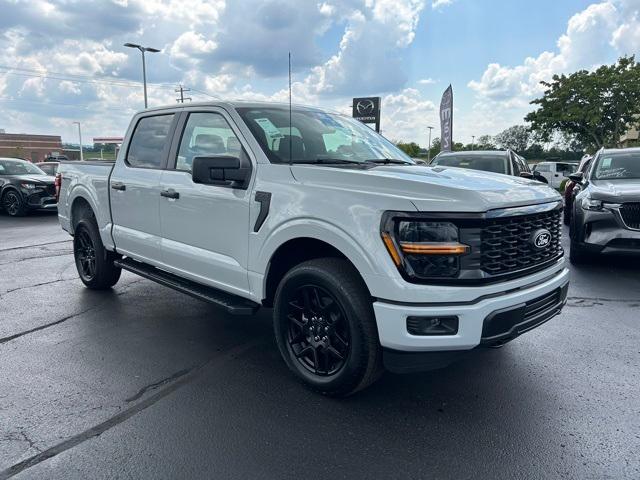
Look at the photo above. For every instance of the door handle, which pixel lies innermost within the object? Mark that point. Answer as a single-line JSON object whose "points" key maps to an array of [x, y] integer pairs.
{"points": [[171, 193], [118, 186]]}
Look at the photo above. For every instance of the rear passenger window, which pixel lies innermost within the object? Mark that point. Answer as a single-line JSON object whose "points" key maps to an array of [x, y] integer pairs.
{"points": [[149, 140]]}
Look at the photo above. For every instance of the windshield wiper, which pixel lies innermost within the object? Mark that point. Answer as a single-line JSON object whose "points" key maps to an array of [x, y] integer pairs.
{"points": [[387, 161], [327, 161]]}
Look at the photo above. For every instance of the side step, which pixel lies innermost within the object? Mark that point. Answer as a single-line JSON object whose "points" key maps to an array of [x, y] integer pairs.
{"points": [[231, 303]]}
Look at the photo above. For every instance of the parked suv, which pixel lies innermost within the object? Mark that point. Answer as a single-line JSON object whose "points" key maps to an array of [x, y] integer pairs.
{"points": [[368, 260], [606, 209], [506, 162], [24, 187]]}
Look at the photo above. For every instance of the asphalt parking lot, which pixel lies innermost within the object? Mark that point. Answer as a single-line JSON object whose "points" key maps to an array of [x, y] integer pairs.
{"points": [[144, 382]]}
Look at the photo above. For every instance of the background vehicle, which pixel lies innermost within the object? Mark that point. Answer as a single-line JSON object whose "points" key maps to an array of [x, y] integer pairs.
{"points": [[24, 187], [606, 210], [555, 172], [367, 259], [56, 157], [506, 162], [569, 186], [50, 168]]}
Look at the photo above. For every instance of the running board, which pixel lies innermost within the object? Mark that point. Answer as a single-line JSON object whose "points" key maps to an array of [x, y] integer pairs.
{"points": [[233, 304]]}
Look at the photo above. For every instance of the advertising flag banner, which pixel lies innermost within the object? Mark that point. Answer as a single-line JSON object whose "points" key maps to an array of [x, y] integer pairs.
{"points": [[446, 120]]}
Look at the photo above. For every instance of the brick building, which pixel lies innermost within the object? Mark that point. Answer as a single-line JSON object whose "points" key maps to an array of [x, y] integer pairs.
{"points": [[29, 147]]}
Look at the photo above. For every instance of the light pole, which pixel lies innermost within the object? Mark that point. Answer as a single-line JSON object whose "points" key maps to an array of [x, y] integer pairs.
{"points": [[473, 141], [80, 136], [429, 149], [144, 67]]}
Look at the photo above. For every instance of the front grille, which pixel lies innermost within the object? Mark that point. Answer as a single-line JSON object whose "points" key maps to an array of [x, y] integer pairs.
{"points": [[506, 244], [50, 189], [630, 213]]}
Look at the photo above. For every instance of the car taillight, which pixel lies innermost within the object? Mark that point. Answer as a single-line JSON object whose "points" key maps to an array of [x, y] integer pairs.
{"points": [[58, 184]]}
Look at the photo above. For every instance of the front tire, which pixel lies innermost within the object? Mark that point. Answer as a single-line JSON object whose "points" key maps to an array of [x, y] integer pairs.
{"points": [[94, 263], [577, 253], [325, 327], [13, 204]]}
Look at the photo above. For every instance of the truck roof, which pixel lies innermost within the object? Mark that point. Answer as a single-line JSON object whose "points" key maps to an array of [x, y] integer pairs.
{"points": [[233, 104]]}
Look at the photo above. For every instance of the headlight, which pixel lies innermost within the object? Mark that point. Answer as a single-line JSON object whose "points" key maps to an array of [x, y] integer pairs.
{"points": [[591, 204], [28, 186], [422, 249]]}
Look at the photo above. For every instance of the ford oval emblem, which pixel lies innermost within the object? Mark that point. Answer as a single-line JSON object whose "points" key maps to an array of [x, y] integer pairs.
{"points": [[541, 238]]}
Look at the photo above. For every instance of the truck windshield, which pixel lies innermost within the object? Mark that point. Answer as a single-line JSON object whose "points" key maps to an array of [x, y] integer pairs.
{"points": [[618, 166], [318, 137], [486, 163], [18, 167]]}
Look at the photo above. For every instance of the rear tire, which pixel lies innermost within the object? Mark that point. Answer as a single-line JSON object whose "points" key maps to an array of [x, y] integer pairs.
{"points": [[94, 263], [13, 204], [325, 327]]}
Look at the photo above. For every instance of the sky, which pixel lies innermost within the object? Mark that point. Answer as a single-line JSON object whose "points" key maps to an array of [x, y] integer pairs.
{"points": [[63, 60]]}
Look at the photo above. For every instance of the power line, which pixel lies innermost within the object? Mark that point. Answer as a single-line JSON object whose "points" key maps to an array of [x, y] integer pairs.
{"points": [[181, 90], [205, 93]]}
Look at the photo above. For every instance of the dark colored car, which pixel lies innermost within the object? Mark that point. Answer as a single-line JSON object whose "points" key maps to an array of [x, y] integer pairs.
{"points": [[606, 208], [24, 187], [506, 162], [50, 168], [569, 186]]}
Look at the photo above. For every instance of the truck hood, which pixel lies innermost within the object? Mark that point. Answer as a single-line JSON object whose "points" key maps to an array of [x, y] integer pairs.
{"points": [[432, 189], [615, 191]]}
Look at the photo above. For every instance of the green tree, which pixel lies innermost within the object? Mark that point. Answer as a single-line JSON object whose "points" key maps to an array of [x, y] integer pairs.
{"points": [[485, 142], [590, 108], [412, 149], [516, 138]]}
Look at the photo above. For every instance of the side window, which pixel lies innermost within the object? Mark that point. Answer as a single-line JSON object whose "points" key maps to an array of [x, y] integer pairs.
{"points": [[149, 140], [543, 167], [524, 167], [516, 165], [206, 134]]}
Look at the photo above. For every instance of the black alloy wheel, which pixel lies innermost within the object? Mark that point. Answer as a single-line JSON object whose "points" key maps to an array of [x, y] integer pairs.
{"points": [[85, 253], [13, 204], [318, 333]]}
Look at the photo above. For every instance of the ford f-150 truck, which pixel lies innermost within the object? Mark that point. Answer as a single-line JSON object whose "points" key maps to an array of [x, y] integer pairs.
{"points": [[368, 260]]}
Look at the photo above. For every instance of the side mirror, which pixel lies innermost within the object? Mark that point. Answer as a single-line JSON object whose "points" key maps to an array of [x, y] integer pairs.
{"points": [[539, 177], [222, 170], [577, 177], [527, 175]]}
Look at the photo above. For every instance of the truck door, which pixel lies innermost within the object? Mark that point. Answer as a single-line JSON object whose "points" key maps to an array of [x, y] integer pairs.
{"points": [[135, 188], [205, 228]]}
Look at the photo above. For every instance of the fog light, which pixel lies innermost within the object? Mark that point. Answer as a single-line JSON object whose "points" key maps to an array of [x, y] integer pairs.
{"points": [[432, 325]]}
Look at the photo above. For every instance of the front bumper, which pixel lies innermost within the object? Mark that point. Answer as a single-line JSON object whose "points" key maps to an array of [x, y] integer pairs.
{"points": [[506, 309], [604, 231], [40, 198]]}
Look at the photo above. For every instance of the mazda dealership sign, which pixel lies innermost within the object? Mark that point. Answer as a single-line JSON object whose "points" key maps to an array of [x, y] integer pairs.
{"points": [[367, 110]]}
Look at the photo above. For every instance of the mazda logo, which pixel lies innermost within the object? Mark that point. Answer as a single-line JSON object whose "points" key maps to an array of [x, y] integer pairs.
{"points": [[365, 107], [541, 238]]}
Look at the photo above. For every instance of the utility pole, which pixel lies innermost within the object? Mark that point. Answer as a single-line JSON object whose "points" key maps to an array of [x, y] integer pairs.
{"points": [[181, 91], [80, 135], [429, 149], [473, 141]]}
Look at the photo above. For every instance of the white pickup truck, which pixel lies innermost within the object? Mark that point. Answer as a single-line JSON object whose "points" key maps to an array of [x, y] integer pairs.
{"points": [[368, 260]]}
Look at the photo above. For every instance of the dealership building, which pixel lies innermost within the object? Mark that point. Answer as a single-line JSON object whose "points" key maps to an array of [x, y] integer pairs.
{"points": [[29, 147]]}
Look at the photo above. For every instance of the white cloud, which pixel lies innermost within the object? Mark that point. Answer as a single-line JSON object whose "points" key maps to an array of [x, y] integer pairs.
{"points": [[426, 81], [440, 3], [596, 35]]}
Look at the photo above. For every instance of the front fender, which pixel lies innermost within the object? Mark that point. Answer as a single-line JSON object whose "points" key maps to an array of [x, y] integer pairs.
{"points": [[367, 256]]}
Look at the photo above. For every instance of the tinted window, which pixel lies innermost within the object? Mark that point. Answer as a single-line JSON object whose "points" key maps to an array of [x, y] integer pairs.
{"points": [[18, 167], [149, 141], [49, 169], [486, 163], [206, 134]]}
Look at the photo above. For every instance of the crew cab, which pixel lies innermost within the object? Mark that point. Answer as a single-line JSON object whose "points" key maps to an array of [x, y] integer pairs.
{"points": [[368, 260]]}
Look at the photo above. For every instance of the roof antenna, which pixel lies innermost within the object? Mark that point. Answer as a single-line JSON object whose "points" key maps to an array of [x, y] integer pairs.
{"points": [[290, 126]]}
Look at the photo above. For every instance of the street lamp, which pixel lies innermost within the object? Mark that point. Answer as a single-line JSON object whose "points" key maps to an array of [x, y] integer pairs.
{"points": [[473, 141], [80, 135], [144, 67], [429, 149]]}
